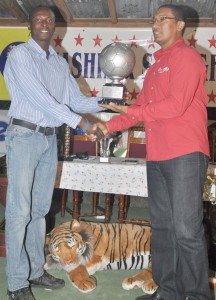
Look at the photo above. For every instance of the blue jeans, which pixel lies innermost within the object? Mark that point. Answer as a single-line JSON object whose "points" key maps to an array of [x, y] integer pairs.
{"points": [[178, 246], [31, 167]]}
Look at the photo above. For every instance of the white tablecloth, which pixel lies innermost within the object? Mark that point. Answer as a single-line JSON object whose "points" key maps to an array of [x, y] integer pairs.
{"points": [[115, 177]]}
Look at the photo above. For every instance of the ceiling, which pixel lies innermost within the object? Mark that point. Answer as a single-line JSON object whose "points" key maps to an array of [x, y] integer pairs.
{"points": [[103, 13]]}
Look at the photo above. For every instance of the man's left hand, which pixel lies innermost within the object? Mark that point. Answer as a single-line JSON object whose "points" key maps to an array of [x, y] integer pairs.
{"points": [[95, 131]]}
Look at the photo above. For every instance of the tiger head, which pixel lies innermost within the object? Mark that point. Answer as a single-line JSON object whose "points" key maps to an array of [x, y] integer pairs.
{"points": [[70, 244]]}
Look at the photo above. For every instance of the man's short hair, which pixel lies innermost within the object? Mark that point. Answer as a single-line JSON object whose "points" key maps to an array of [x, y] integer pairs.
{"points": [[40, 7]]}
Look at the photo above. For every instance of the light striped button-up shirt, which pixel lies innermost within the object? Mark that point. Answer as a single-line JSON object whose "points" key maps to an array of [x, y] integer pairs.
{"points": [[42, 90]]}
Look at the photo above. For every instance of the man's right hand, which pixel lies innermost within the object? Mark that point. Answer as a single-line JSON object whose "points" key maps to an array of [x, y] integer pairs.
{"points": [[100, 130], [103, 127], [98, 133]]}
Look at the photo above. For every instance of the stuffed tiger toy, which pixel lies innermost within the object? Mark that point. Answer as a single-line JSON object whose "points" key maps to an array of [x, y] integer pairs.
{"points": [[82, 248]]}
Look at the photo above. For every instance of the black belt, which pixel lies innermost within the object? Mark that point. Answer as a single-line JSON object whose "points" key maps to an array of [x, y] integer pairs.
{"points": [[32, 126]]}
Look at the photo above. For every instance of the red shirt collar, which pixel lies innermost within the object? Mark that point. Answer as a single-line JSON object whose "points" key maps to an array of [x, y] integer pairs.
{"points": [[158, 54]]}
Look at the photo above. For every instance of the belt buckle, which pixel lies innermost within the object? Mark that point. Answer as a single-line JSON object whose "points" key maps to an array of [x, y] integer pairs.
{"points": [[38, 128], [49, 131]]}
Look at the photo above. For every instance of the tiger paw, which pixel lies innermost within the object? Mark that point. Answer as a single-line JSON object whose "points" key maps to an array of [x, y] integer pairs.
{"points": [[149, 286], [86, 285], [130, 283]]}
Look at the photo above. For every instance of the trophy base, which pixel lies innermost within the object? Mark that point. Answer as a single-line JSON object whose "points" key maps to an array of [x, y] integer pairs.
{"points": [[104, 159], [107, 101]]}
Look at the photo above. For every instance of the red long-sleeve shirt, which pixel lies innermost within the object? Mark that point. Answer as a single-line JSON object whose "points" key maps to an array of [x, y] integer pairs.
{"points": [[172, 105]]}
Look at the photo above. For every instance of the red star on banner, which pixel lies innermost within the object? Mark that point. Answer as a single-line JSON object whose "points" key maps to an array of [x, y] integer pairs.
{"points": [[151, 42], [212, 42], [133, 94], [192, 41], [94, 92], [133, 41], [97, 41], [212, 97], [57, 41], [79, 40], [116, 39]]}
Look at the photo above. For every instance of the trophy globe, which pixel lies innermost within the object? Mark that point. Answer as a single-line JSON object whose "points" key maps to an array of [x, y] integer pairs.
{"points": [[117, 61]]}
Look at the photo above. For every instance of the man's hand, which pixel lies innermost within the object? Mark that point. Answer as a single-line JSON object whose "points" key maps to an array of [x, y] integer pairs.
{"points": [[98, 131], [117, 108], [95, 132], [103, 127]]}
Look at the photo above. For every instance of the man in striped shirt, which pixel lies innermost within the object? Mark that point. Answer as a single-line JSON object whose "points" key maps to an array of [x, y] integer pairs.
{"points": [[44, 95]]}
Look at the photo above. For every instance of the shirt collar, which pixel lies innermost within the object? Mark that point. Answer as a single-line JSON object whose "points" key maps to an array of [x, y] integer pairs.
{"points": [[38, 49], [158, 54]]}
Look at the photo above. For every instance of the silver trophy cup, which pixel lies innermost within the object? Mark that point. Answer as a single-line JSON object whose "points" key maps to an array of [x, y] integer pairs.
{"points": [[104, 149], [117, 61]]}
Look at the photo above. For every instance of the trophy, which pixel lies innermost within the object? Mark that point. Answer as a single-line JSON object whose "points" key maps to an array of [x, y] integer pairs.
{"points": [[117, 61], [105, 149]]}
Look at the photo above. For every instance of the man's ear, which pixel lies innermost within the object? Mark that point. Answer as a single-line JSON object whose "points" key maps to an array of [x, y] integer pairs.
{"points": [[181, 25]]}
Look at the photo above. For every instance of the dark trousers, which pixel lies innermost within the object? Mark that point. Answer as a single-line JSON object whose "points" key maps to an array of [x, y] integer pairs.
{"points": [[178, 247]]}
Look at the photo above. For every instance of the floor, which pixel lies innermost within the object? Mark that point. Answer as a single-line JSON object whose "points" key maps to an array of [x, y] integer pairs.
{"points": [[108, 282]]}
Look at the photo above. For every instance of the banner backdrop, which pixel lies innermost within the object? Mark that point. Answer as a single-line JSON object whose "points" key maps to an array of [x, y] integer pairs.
{"points": [[81, 47]]}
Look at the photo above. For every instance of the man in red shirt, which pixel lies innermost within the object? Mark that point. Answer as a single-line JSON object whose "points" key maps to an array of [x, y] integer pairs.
{"points": [[172, 105]]}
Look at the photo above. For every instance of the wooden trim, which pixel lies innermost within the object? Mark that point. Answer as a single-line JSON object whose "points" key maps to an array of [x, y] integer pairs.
{"points": [[3, 189], [103, 23], [2, 244], [64, 10], [112, 10], [15, 10]]}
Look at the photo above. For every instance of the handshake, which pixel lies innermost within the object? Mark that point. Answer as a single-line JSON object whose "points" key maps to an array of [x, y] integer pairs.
{"points": [[96, 131]]}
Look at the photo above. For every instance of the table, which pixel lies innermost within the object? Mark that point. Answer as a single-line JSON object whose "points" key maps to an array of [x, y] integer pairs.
{"points": [[115, 177]]}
